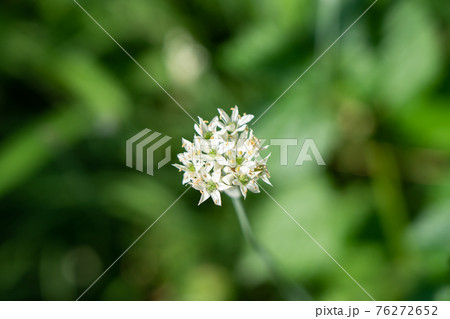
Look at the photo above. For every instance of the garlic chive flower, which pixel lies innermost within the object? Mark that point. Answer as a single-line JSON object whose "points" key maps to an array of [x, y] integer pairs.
{"points": [[225, 155]]}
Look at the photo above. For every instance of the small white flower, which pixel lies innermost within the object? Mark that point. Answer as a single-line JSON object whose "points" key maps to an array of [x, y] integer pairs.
{"points": [[224, 159], [210, 185], [190, 162], [236, 123], [206, 131]]}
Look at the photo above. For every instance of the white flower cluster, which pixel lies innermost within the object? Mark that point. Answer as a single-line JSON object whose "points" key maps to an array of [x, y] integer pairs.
{"points": [[223, 156]]}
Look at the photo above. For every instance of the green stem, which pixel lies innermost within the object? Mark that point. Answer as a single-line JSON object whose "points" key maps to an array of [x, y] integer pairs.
{"points": [[243, 221], [287, 289]]}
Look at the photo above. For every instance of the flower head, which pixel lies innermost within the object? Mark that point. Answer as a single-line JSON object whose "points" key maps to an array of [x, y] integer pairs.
{"points": [[225, 155]]}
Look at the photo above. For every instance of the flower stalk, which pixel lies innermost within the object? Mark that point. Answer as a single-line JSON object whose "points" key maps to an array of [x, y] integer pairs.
{"points": [[287, 289]]}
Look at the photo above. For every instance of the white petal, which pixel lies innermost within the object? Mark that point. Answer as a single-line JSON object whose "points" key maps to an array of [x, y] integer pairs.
{"points": [[186, 178], [227, 170], [180, 167], [266, 179], [243, 137], [205, 176], [203, 125], [209, 165], [222, 160], [221, 125], [224, 147], [243, 191], [216, 176], [214, 142], [245, 119], [213, 124], [205, 196], [205, 146], [198, 130], [224, 116], [228, 179], [197, 142], [187, 144], [253, 187], [223, 187], [216, 198], [235, 114], [246, 167]]}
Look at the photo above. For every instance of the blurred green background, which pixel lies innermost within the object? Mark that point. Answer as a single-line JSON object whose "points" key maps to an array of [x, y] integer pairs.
{"points": [[377, 105]]}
